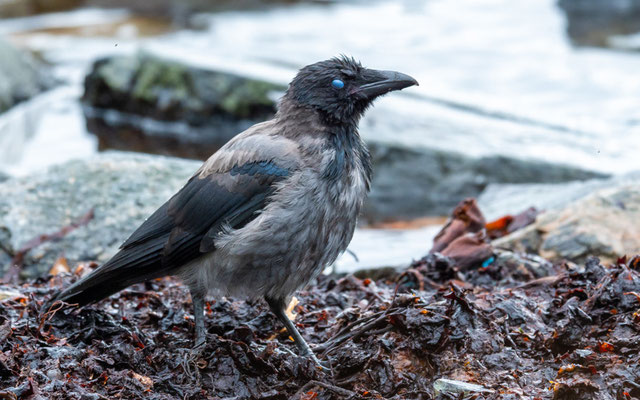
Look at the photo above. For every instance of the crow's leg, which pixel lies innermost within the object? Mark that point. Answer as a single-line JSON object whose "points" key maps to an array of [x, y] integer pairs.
{"points": [[192, 357], [278, 307], [197, 298]]}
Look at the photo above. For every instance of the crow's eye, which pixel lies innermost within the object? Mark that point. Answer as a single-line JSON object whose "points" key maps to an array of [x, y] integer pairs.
{"points": [[337, 83]]}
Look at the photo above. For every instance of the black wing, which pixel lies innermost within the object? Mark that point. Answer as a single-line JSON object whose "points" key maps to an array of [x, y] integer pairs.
{"points": [[183, 229], [191, 219]]}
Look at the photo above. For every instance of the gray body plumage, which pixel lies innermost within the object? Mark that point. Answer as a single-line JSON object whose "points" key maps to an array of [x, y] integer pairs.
{"points": [[306, 223], [270, 209]]}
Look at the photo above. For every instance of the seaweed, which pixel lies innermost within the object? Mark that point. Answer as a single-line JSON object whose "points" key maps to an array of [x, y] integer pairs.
{"points": [[517, 327]]}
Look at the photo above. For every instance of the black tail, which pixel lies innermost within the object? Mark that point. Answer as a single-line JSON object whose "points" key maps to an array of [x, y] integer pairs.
{"points": [[129, 266]]}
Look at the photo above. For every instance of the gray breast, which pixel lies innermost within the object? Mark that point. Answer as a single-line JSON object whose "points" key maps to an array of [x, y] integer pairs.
{"points": [[307, 224]]}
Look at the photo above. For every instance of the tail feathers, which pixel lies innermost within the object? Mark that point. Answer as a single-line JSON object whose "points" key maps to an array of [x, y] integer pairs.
{"points": [[129, 266]]}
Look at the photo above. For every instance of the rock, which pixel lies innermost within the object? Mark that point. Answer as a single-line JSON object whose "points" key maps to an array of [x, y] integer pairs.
{"points": [[21, 76], [177, 12], [409, 183], [144, 103], [500, 199], [180, 11], [21, 8], [594, 22], [14, 8], [122, 189], [604, 224]]}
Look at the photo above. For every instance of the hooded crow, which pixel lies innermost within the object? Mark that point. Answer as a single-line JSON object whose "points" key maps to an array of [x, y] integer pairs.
{"points": [[269, 210]]}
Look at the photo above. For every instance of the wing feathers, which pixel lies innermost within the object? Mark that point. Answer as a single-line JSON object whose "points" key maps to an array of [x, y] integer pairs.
{"points": [[230, 189], [192, 219]]}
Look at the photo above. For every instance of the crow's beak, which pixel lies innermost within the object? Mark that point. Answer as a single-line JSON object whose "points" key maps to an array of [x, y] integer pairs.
{"points": [[384, 82]]}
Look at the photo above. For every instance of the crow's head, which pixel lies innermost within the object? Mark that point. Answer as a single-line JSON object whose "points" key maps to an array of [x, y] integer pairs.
{"points": [[341, 89]]}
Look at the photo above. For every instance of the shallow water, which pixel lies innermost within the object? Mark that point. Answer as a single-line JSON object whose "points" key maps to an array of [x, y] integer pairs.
{"points": [[496, 76]]}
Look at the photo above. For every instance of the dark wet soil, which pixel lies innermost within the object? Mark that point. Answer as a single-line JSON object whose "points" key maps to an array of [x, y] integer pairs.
{"points": [[573, 334]]}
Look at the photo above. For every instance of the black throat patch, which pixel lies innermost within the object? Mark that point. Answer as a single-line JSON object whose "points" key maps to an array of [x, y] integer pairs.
{"points": [[349, 149]]}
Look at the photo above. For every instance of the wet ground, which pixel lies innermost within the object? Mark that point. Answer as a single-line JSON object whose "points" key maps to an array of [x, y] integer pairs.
{"points": [[572, 334]]}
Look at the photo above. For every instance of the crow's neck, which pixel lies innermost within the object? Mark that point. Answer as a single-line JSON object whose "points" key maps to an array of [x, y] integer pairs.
{"points": [[350, 152], [301, 123], [291, 116]]}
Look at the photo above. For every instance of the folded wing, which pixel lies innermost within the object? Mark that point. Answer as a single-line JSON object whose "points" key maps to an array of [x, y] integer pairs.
{"points": [[185, 227]]}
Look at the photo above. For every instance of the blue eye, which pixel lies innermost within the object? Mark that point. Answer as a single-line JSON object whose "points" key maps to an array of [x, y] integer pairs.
{"points": [[337, 83]]}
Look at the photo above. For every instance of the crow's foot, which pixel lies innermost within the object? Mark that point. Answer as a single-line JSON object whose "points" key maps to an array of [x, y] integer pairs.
{"points": [[322, 365]]}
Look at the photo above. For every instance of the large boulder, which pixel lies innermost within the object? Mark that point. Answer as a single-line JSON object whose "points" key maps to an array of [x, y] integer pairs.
{"points": [[499, 199], [175, 11], [21, 76], [145, 103], [603, 224], [411, 182], [122, 189], [179, 11], [595, 22]]}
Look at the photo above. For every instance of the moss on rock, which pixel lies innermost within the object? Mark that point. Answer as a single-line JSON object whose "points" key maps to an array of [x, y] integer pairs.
{"points": [[169, 90]]}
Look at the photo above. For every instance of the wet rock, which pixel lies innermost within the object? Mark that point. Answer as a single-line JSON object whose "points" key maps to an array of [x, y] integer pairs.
{"points": [[21, 8], [499, 199], [177, 12], [122, 189], [603, 224], [594, 22], [180, 11], [145, 103], [21, 76], [409, 183]]}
